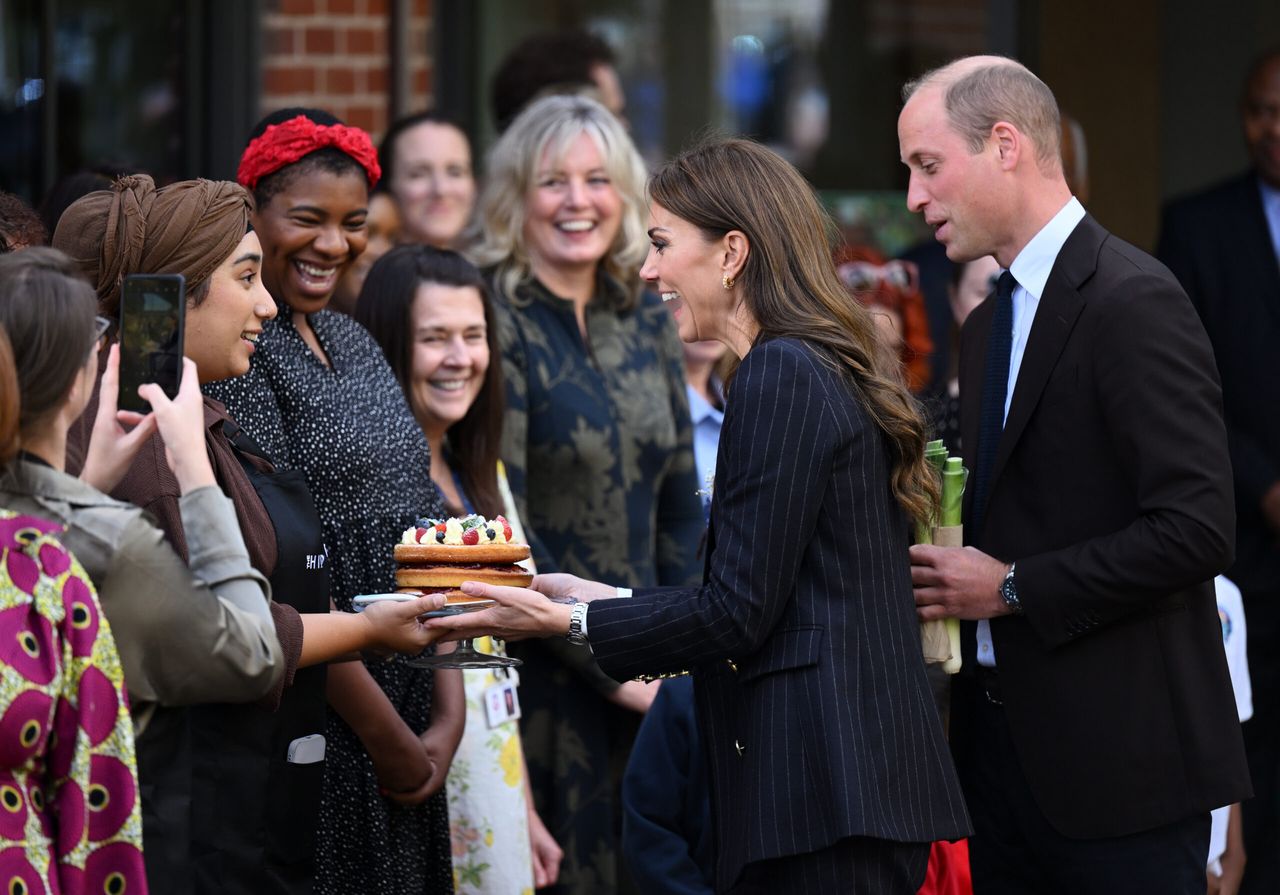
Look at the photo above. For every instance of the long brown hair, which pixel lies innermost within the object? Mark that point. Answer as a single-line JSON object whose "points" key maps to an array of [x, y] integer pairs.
{"points": [[790, 285], [385, 308]]}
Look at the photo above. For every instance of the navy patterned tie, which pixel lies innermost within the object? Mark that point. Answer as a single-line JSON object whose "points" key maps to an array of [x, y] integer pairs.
{"points": [[995, 388]]}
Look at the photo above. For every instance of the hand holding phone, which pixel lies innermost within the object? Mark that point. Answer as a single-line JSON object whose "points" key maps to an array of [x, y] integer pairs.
{"points": [[111, 446], [152, 323], [181, 424]]}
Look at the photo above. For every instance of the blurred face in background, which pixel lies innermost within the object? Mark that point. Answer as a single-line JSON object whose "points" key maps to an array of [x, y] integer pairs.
{"points": [[450, 354], [1262, 120], [433, 183], [384, 230], [573, 210], [976, 282]]}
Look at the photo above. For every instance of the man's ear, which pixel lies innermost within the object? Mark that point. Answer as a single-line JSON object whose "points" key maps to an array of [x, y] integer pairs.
{"points": [[736, 250], [1010, 144]]}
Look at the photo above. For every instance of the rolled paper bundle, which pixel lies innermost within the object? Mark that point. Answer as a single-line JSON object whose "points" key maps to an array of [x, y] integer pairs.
{"points": [[954, 476], [935, 642]]}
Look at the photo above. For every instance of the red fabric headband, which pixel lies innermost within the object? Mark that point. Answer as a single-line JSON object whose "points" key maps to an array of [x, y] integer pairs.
{"points": [[283, 144]]}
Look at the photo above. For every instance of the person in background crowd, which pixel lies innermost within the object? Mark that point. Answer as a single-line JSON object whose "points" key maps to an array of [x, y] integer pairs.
{"points": [[258, 835], [971, 283], [597, 439], [1223, 245], [186, 635], [320, 398], [426, 159], [384, 228], [76, 185], [555, 62], [20, 227], [430, 311], [890, 290], [802, 635], [1098, 512], [63, 677]]}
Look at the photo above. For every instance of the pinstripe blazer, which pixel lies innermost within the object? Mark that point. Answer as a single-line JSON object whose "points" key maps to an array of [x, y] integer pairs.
{"points": [[802, 638]]}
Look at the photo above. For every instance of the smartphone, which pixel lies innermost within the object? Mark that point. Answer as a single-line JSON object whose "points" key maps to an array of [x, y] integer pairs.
{"points": [[152, 315]]}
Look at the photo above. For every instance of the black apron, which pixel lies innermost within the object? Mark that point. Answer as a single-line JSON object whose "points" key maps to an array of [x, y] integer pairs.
{"points": [[254, 813]]}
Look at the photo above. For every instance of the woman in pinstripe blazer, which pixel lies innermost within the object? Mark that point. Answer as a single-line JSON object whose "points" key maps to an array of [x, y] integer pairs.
{"points": [[828, 767]]}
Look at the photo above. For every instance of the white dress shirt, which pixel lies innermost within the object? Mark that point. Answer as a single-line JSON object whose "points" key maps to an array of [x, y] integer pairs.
{"points": [[1271, 207], [1031, 270]]}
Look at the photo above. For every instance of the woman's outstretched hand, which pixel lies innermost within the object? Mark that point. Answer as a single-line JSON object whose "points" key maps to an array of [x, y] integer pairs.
{"points": [[112, 447], [395, 626], [519, 614], [181, 423]]}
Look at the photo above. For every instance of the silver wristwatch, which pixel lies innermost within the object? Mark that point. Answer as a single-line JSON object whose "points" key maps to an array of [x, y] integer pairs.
{"points": [[1009, 591], [578, 624]]}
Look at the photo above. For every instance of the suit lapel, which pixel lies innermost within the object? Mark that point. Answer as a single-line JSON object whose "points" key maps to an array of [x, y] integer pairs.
{"points": [[1056, 316], [1255, 249], [973, 353]]}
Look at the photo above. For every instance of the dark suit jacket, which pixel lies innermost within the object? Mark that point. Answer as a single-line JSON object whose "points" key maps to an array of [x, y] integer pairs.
{"points": [[820, 725], [1112, 491], [1218, 246]]}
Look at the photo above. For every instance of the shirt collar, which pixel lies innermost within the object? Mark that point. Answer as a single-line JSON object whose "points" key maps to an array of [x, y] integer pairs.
{"points": [[700, 409], [1270, 198], [1035, 262]]}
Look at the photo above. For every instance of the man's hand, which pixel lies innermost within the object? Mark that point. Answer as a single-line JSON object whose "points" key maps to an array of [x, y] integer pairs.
{"points": [[957, 582], [562, 586]]}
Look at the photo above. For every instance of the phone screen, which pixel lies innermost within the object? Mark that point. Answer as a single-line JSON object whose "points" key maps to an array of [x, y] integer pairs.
{"points": [[152, 311]]}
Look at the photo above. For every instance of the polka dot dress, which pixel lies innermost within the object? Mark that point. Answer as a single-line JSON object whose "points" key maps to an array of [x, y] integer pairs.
{"points": [[349, 430]]}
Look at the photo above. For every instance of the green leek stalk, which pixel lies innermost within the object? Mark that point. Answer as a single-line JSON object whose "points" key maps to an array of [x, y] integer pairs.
{"points": [[954, 476]]}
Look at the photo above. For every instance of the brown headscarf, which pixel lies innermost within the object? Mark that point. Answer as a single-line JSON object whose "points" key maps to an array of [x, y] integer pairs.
{"points": [[189, 227]]}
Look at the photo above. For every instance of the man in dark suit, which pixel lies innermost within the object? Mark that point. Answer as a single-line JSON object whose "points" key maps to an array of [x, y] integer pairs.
{"points": [[1093, 725], [1223, 245]]}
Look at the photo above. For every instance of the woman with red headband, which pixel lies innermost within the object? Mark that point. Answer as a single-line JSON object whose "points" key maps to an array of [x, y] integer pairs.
{"points": [[320, 398]]}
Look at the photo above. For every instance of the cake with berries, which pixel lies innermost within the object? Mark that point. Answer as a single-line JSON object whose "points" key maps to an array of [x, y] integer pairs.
{"points": [[437, 555]]}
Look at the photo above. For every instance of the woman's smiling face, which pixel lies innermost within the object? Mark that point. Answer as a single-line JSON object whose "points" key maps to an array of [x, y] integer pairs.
{"points": [[450, 354], [311, 231], [222, 329]]}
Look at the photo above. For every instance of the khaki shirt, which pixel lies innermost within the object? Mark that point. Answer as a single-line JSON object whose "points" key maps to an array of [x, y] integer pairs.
{"points": [[186, 634]]}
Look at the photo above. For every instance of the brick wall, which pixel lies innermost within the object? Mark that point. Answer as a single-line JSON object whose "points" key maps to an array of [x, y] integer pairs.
{"points": [[336, 55]]}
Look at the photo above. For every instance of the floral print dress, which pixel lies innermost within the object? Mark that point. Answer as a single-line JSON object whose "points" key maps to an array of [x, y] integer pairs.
{"points": [[70, 820], [598, 446]]}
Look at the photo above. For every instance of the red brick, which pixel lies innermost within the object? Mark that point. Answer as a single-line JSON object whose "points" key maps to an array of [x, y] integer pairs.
{"points": [[321, 41], [341, 81], [288, 79], [281, 41], [342, 7], [379, 78], [299, 7], [376, 7], [366, 41], [364, 116]]}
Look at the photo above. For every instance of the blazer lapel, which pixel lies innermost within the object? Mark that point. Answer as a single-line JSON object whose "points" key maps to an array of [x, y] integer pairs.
{"points": [[1056, 316], [973, 353], [1256, 250]]}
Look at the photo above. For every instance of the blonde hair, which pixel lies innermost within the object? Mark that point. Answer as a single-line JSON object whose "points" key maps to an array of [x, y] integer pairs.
{"points": [[1002, 90], [550, 126]]}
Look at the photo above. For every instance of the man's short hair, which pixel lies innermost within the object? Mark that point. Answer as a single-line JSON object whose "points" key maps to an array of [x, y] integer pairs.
{"points": [[977, 98], [552, 59]]}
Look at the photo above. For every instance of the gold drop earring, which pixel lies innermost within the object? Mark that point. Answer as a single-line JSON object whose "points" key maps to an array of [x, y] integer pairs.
{"points": [[727, 281]]}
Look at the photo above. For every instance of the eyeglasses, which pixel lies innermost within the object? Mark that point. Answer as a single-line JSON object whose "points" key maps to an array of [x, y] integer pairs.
{"points": [[100, 327], [862, 276]]}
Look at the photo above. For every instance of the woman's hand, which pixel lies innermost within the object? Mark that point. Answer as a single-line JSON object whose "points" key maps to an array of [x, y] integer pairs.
{"points": [[565, 587], [112, 447], [636, 696], [547, 853], [181, 423], [396, 627], [521, 613]]}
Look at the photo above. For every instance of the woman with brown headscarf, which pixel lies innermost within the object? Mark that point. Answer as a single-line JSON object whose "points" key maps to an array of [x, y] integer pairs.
{"points": [[252, 777]]}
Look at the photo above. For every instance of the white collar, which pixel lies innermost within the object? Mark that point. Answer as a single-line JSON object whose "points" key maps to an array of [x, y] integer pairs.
{"points": [[1035, 262]]}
